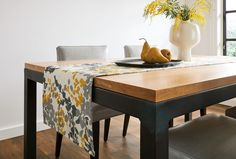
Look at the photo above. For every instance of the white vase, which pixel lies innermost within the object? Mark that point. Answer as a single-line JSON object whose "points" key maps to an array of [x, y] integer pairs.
{"points": [[185, 37]]}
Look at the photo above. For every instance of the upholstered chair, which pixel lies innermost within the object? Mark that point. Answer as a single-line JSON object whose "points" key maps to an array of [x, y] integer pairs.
{"points": [[207, 137], [231, 112]]}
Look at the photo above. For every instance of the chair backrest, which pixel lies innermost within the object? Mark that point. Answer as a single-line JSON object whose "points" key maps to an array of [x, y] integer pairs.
{"points": [[65, 53], [133, 50]]}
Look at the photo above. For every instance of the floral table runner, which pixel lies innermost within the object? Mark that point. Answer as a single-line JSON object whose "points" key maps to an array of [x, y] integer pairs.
{"points": [[68, 89]]}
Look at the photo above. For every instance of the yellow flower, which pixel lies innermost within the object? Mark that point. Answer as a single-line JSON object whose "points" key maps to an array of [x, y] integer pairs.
{"points": [[201, 6], [60, 116], [82, 83], [76, 82], [177, 22], [198, 9], [198, 17], [79, 100], [174, 10], [46, 98], [49, 81]]}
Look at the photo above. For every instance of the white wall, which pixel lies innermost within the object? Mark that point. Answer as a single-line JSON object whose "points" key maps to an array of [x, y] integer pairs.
{"points": [[30, 30], [211, 34]]}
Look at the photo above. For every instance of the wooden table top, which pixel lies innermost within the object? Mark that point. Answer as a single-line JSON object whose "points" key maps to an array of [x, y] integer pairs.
{"points": [[160, 85]]}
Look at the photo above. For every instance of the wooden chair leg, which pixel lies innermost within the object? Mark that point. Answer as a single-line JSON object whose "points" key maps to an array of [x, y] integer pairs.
{"points": [[126, 124], [203, 111], [106, 129], [188, 117], [96, 127], [171, 123], [58, 144]]}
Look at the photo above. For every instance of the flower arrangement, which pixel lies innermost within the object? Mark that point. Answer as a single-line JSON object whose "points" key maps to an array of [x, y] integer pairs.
{"points": [[173, 9]]}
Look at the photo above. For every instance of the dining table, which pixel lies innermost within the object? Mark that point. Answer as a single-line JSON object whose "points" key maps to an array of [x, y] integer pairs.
{"points": [[154, 97]]}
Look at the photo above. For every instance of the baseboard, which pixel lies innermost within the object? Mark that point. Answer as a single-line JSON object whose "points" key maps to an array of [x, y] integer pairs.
{"points": [[18, 130]]}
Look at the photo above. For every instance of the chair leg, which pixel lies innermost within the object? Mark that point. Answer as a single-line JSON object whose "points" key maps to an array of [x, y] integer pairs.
{"points": [[171, 123], [203, 111], [126, 124], [96, 126], [58, 144], [106, 129], [188, 117]]}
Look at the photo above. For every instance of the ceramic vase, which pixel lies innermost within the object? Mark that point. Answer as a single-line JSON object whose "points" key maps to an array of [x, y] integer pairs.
{"points": [[185, 37]]}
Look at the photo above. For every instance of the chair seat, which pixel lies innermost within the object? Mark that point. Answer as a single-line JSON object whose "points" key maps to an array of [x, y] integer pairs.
{"points": [[100, 112], [208, 137], [231, 112]]}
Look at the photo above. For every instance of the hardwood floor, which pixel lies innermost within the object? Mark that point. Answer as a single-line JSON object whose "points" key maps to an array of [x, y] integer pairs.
{"points": [[117, 147]]}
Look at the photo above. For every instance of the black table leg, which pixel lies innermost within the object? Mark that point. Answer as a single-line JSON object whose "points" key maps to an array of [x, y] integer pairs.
{"points": [[154, 139], [188, 117], [29, 118], [203, 111], [171, 123]]}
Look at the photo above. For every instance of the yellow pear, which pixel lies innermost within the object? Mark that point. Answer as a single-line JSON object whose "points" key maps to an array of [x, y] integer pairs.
{"points": [[145, 50], [154, 55], [167, 53]]}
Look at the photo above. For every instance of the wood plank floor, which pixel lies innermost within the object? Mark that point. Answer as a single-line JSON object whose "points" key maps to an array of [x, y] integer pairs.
{"points": [[117, 147]]}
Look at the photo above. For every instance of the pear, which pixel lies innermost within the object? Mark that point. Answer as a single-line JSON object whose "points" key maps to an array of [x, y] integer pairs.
{"points": [[145, 50], [154, 55], [167, 53]]}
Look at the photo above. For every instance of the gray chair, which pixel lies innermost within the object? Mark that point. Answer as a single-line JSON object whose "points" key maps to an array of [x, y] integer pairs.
{"points": [[135, 51], [99, 112], [231, 112], [65, 53], [208, 137]]}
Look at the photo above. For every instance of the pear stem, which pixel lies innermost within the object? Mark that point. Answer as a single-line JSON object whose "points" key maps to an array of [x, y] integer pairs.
{"points": [[142, 39]]}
